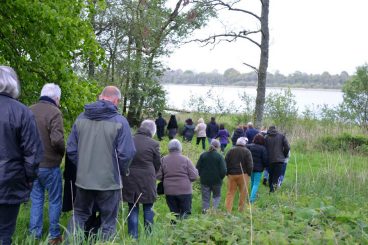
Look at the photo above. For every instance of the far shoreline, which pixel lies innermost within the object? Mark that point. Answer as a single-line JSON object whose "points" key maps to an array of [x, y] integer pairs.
{"points": [[251, 87]]}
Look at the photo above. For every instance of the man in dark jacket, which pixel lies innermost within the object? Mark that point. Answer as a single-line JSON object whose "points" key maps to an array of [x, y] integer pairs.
{"points": [[211, 168], [239, 165], [20, 153], [140, 182], [251, 132], [50, 126], [160, 125], [101, 146], [277, 148], [212, 129]]}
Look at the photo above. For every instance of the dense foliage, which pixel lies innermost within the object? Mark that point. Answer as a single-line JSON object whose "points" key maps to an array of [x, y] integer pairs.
{"points": [[40, 40], [356, 96]]}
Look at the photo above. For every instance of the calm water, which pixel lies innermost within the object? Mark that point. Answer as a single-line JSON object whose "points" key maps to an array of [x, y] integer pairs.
{"points": [[179, 95]]}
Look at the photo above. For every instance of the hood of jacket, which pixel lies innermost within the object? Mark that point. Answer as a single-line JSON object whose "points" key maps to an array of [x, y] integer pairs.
{"points": [[100, 110], [272, 132], [189, 126]]}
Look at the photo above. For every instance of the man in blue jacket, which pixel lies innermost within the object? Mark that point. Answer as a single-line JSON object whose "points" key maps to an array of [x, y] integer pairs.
{"points": [[101, 146], [20, 153]]}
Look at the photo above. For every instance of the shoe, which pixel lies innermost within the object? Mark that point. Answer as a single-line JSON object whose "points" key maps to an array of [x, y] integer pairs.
{"points": [[56, 240]]}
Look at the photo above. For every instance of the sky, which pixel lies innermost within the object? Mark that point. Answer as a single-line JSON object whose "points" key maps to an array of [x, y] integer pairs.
{"points": [[311, 36]]}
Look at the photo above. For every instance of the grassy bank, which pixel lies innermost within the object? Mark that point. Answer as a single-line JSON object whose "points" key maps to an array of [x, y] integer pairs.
{"points": [[324, 200]]}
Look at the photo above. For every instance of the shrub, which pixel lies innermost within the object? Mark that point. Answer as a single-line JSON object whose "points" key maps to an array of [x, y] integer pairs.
{"points": [[345, 142]]}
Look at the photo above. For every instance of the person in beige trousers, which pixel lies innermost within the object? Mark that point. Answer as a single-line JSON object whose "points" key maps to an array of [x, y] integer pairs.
{"points": [[239, 165]]}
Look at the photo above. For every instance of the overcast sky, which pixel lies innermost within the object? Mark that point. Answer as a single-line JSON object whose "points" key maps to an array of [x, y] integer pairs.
{"points": [[310, 36]]}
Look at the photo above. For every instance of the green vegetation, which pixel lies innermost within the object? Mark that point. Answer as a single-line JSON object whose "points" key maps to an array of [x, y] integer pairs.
{"points": [[322, 201]]}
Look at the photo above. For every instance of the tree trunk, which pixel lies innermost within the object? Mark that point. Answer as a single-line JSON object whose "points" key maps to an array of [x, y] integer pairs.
{"points": [[263, 65]]}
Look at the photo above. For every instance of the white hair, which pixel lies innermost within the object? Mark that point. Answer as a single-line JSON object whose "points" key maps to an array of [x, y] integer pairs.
{"points": [[250, 124], [9, 82], [51, 90], [174, 145], [242, 141], [150, 125]]}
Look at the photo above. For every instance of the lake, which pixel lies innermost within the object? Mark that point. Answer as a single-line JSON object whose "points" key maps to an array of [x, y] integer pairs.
{"points": [[178, 96]]}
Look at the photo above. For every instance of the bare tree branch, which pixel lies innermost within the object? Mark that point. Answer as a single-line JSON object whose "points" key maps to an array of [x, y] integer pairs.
{"points": [[254, 68], [228, 37]]}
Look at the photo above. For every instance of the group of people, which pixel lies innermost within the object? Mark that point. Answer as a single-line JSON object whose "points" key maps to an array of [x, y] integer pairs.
{"points": [[211, 130], [106, 164]]}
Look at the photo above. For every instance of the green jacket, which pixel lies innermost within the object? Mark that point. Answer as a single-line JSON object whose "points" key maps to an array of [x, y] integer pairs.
{"points": [[211, 167]]}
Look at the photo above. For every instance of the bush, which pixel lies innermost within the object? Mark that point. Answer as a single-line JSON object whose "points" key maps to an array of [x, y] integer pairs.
{"points": [[345, 142]]}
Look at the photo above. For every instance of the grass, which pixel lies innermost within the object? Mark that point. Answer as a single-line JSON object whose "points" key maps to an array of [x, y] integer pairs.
{"points": [[324, 200]]}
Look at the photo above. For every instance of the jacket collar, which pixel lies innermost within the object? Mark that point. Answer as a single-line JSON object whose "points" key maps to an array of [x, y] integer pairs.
{"points": [[6, 94], [48, 99]]}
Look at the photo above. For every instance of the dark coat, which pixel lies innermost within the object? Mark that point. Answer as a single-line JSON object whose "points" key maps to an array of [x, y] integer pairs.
{"points": [[160, 124], [259, 155], [188, 132], [70, 174], [50, 125], [250, 133], [277, 146], [237, 155], [211, 168], [239, 132], [212, 130], [143, 169], [21, 150]]}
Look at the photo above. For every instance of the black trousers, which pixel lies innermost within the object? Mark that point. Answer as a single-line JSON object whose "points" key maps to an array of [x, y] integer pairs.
{"points": [[108, 206], [203, 142], [275, 173], [8, 220], [181, 205]]}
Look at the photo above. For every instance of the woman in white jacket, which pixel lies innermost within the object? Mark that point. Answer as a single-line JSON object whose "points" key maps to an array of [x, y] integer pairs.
{"points": [[201, 132]]}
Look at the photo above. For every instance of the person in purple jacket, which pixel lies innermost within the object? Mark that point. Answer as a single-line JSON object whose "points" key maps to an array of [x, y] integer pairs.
{"points": [[223, 136]]}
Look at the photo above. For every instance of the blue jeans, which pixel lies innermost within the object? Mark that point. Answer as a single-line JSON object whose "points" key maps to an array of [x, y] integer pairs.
{"points": [[255, 180], [282, 176], [223, 146], [48, 179], [148, 215]]}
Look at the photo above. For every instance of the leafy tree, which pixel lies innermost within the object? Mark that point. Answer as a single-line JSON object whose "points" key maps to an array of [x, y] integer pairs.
{"points": [[134, 35], [356, 96], [41, 39], [281, 108]]}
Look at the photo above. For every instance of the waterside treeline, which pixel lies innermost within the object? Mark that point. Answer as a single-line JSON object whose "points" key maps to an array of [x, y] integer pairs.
{"points": [[233, 77]]}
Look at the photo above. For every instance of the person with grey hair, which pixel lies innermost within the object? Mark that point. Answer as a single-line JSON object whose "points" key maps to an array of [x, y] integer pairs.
{"points": [[177, 173], [140, 181], [212, 170], [50, 125], [20, 153], [101, 147]]}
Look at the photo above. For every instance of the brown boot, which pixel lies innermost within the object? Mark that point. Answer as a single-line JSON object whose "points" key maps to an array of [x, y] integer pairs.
{"points": [[56, 240]]}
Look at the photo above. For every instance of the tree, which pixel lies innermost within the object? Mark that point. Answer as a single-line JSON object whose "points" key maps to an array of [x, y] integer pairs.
{"points": [[40, 39], [263, 45], [356, 96], [135, 34]]}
